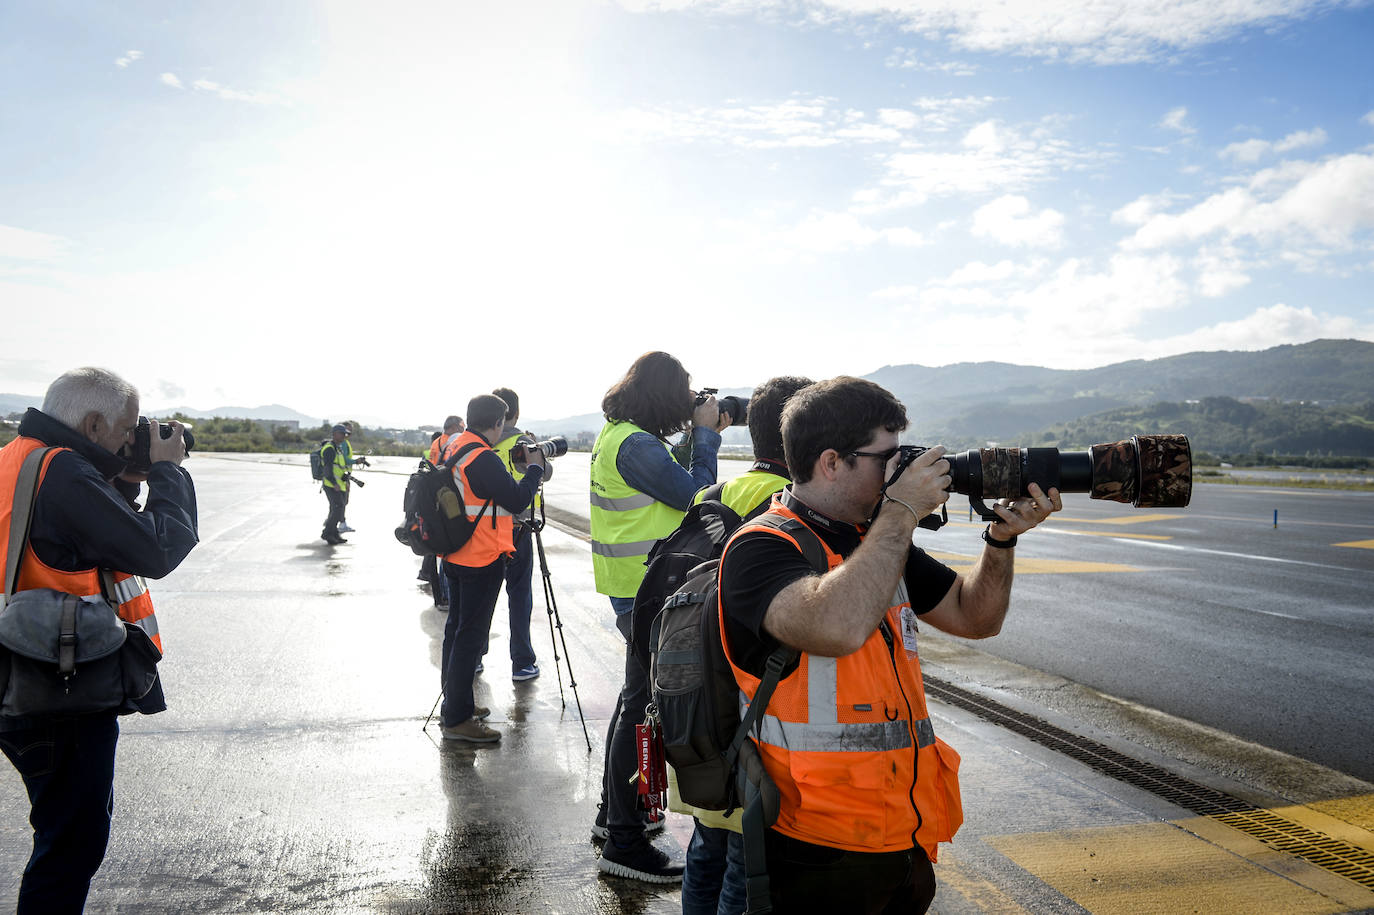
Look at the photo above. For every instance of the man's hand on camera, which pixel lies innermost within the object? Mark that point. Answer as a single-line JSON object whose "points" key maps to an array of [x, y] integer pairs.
{"points": [[925, 482], [1020, 515], [172, 448], [534, 456]]}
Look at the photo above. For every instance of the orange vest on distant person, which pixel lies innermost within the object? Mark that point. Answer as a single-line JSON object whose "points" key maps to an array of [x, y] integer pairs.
{"points": [[495, 531], [131, 598], [850, 744]]}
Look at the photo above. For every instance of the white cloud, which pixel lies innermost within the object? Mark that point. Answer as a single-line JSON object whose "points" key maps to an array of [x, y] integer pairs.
{"points": [[993, 157], [1096, 31], [1176, 119], [1009, 220], [1329, 202], [1250, 151], [1219, 271], [1368, 119], [238, 95], [23, 244], [907, 59], [831, 232], [128, 58], [1265, 327], [170, 79]]}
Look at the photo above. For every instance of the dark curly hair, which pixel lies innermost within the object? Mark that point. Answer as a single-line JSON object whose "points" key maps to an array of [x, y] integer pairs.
{"points": [[655, 395]]}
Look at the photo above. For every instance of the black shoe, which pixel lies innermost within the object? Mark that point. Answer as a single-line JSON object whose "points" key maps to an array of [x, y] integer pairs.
{"points": [[334, 539], [639, 861]]}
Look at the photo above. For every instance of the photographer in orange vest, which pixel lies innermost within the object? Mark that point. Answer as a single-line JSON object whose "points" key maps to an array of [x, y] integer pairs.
{"points": [[867, 790], [86, 521]]}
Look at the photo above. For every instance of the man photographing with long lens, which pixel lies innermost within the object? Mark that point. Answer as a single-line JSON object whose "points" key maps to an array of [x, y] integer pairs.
{"points": [[867, 789]]}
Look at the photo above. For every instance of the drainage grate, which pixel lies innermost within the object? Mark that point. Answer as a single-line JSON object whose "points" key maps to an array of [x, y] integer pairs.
{"points": [[1343, 858]]}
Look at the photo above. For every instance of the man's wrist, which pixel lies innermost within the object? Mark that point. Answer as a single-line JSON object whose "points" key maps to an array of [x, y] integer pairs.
{"points": [[994, 542]]}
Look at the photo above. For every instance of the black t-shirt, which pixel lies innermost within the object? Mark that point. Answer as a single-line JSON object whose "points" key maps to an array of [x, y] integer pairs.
{"points": [[760, 564]]}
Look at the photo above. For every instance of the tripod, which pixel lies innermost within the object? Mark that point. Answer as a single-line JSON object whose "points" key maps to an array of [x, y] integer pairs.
{"points": [[555, 621], [536, 525]]}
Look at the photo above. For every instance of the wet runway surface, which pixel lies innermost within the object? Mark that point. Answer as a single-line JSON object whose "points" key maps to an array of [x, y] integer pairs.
{"points": [[294, 772]]}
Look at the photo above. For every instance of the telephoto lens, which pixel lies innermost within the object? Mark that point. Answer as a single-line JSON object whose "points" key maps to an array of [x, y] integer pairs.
{"points": [[557, 446]]}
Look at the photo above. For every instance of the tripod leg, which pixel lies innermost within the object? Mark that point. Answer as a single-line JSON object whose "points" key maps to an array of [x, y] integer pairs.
{"points": [[556, 622], [437, 699]]}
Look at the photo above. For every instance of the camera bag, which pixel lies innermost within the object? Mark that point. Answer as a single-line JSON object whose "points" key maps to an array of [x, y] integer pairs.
{"points": [[436, 521], [61, 654]]}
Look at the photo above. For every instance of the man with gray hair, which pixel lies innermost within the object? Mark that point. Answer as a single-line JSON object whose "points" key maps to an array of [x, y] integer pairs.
{"points": [[88, 537]]}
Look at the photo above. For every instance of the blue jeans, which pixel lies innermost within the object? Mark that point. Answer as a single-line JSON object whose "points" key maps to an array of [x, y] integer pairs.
{"points": [[713, 881], [68, 769], [619, 796], [472, 600], [519, 574]]}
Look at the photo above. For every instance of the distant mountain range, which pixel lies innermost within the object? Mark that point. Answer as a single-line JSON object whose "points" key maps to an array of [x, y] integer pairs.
{"points": [[18, 403], [971, 403]]}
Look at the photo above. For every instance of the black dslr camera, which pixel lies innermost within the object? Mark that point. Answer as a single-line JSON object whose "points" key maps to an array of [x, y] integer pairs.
{"points": [[137, 454], [553, 447], [1148, 471], [736, 407]]}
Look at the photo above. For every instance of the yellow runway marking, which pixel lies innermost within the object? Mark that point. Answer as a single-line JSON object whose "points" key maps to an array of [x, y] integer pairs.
{"points": [[1160, 867], [959, 562], [1124, 535], [1124, 519], [1359, 544]]}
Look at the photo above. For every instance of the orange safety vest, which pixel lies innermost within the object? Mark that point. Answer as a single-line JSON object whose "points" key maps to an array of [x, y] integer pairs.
{"points": [[491, 537], [129, 593], [849, 742]]}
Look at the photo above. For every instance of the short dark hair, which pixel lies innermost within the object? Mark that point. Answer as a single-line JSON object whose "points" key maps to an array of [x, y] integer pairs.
{"points": [[452, 423], [765, 413], [485, 411], [512, 400], [435, 435], [840, 413], [655, 395]]}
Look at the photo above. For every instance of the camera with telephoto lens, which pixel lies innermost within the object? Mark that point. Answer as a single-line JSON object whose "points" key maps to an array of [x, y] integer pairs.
{"points": [[553, 447], [1148, 471], [137, 455], [736, 407]]}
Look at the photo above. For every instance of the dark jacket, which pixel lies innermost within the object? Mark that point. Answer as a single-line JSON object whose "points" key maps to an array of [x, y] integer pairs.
{"points": [[85, 518]]}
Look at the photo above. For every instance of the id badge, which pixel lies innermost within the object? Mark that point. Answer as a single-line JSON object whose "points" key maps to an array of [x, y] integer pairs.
{"points": [[909, 630]]}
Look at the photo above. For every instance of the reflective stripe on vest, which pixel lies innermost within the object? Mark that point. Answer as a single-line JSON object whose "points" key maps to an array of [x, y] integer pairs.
{"points": [[490, 539], [625, 523], [129, 593], [850, 743]]}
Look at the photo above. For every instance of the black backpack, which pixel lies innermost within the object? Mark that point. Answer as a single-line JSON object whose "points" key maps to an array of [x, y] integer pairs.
{"points": [[317, 462], [690, 678], [436, 520]]}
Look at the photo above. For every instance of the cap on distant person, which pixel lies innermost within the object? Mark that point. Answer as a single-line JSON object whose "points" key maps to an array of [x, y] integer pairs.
{"points": [[340, 427]]}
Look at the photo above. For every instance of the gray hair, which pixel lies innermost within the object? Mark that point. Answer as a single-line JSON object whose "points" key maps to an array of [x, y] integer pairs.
{"points": [[452, 423], [81, 391]]}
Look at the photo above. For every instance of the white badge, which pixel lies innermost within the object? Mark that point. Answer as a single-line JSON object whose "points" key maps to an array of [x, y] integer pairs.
{"points": [[909, 629]]}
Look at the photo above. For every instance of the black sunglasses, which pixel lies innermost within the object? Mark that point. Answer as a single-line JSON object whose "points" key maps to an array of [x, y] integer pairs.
{"points": [[883, 456]]}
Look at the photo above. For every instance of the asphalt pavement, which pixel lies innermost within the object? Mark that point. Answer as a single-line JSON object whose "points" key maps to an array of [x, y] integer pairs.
{"points": [[295, 770]]}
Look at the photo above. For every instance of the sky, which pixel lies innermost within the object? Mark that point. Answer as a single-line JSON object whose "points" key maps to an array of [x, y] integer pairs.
{"points": [[377, 210]]}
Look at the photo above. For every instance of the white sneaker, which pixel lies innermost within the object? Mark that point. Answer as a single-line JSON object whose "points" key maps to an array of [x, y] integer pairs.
{"points": [[344, 528]]}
